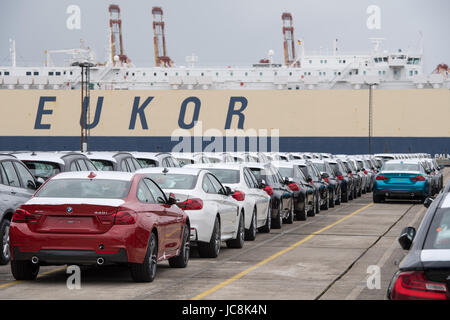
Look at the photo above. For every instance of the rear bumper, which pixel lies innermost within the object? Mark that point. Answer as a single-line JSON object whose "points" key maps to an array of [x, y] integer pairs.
{"points": [[418, 189], [62, 257]]}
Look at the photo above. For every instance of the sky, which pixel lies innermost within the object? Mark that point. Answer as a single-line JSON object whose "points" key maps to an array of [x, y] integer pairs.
{"points": [[224, 32]]}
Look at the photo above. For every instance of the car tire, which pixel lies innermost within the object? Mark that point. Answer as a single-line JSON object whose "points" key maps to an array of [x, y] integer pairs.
{"points": [[377, 198], [146, 271], [325, 206], [238, 243], [181, 261], [278, 220], [24, 270], [266, 228], [250, 234], [211, 249], [332, 201], [290, 217], [317, 205], [302, 215], [4, 238], [339, 198]]}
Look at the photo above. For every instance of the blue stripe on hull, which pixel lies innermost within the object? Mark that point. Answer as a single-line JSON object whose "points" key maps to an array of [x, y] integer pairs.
{"points": [[337, 145]]}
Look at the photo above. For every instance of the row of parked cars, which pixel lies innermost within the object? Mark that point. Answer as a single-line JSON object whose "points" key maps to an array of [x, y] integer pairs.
{"points": [[140, 208]]}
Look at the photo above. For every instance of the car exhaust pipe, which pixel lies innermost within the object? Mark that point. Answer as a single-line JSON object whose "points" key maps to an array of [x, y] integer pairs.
{"points": [[100, 261], [35, 260]]}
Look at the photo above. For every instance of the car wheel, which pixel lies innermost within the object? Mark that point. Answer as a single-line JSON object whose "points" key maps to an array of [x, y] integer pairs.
{"points": [[240, 237], [302, 214], [24, 270], [317, 205], [325, 206], [377, 198], [211, 249], [146, 271], [250, 234], [266, 228], [181, 261], [278, 221], [312, 212], [339, 198], [4, 237], [290, 217], [332, 200]]}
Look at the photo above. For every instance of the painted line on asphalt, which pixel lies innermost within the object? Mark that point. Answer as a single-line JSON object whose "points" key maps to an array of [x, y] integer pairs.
{"points": [[274, 256], [12, 283]]}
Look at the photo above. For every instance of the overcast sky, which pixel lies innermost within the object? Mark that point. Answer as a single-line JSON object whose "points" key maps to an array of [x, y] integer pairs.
{"points": [[224, 32]]}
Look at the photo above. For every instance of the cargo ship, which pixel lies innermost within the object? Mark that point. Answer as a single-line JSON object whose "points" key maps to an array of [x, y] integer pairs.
{"points": [[380, 101]]}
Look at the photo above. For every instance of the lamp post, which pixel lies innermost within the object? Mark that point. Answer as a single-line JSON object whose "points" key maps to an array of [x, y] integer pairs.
{"points": [[370, 117], [85, 102]]}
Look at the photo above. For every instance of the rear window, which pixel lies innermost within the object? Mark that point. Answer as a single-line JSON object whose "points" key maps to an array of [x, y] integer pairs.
{"points": [[174, 181], [43, 169], [226, 175], [85, 188], [401, 167], [286, 172], [103, 165], [147, 163], [438, 236], [320, 166]]}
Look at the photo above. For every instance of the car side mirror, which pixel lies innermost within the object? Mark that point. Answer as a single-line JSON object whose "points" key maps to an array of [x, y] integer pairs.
{"points": [[309, 179], [262, 184], [428, 171], [349, 171], [228, 191], [171, 199], [287, 180], [406, 237], [31, 185], [428, 201]]}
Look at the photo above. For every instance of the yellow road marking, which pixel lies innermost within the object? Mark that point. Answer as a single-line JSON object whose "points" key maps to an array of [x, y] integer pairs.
{"points": [[274, 256], [8, 284]]}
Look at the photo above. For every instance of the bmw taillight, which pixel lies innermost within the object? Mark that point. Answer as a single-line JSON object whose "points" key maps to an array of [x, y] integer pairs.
{"points": [[418, 178], [412, 285], [365, 171], [269, 190], [239, 195], [119, 218], [191, 204], [293, 186], [381, 177], [340, 177], [326, 180], [23, 216]]}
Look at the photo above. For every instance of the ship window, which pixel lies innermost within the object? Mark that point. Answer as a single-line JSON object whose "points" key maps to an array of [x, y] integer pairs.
{"points": [[187, 73], [350, 73], [325, 61], [58, 73], [324, 73], [0, 73], [132, 74], [335, 73], [154, 74], [309, 73], [416, 72], [202, 74], [246, 74], [28, 73], [71, 72], [260, 73], [143, 74], [290, 73], [410, 72], [321, 61], [126, 73], [320, 73], [416, 60], [275, 73], [176, 73], [310, 61], [364, 72], [231, 73], [343, 61], [217, 74], [50, 73], [165, 74], [6, 73], [339, 73]]}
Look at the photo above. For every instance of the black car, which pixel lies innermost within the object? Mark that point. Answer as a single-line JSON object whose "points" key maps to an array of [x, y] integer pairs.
{"points": [[302, 191], [46, 164], [356, 191], [334, 184], [281, 196], [344, 177], [425, 272], [314, 177]]}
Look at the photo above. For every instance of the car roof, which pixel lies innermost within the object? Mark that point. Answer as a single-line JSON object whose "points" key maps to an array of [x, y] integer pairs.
{"points": [[219, 165], [172, 170], [411, 161], [45, 156], [101, 155], [4, 156], [110, 175]]}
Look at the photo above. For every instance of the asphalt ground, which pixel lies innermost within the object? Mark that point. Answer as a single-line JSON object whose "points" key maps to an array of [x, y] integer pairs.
{"points": [[349, 252]]}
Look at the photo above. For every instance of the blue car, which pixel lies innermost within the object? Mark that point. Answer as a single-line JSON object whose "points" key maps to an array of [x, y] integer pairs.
{"points": [[406, 179]]}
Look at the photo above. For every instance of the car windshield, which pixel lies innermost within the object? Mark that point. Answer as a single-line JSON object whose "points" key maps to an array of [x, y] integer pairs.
{"points": [[85, 188], [226, 175], [401, 167], [43, 169], [438, 236], [174, 181], [286, 172], [103, 165]]}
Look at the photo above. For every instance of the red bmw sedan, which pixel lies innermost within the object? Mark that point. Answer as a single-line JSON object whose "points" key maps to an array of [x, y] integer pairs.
{"points": [[97, 218]]}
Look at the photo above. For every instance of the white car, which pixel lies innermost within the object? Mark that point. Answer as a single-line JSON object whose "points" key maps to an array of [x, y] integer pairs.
{"points": [[214, 214], [256, 202]]}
